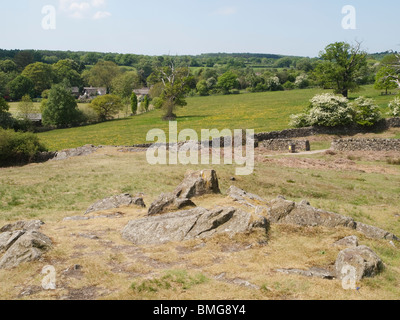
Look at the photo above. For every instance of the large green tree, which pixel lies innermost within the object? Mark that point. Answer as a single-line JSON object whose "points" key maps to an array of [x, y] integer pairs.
{"points": [[342, 64], [123, 84], [227, 82], [383, 80], [20, 87], [41, 74], [102, 74], [68, 70], [61, 109], [177, 82]]}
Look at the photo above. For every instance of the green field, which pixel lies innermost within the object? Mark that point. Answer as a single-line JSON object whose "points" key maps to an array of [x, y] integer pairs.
{"points": [[263, 112]]}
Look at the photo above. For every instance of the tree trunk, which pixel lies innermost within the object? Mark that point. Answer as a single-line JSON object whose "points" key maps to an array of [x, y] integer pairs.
{"points": [[345, 93]]}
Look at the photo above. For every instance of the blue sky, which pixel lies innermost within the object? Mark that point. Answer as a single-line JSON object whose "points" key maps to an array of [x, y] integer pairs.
{"points": [[180, 27]]}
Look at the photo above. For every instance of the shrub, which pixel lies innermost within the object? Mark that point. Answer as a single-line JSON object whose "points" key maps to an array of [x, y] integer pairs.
{"points": [[302, 81], [327, 110], [394, 107], [18, 148], [106, 106], [366, 113], [134, 103]]}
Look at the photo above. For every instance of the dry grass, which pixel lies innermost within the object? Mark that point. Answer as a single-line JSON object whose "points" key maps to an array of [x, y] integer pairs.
{"points": [[199, 269]]}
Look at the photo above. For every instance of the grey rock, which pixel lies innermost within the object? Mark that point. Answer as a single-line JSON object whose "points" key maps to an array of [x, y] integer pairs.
{"points": [[22, 225], [306, 215], [246, 198], [279, 209], [7, 239], [311, 273], [197, 184], [167, 202], [349, 242], [116, 202], [191, 224], [28, 247], [104, 216], [374, 232], [77, 152], [365, 262]]}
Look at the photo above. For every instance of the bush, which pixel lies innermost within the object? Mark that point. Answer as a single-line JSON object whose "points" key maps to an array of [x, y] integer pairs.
{"points": [[327, 110], [18, 148], [394, 107], [106, 107], [366, 113]]}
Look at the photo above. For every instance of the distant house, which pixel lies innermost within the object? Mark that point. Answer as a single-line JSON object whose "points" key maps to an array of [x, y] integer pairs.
{"points": [[35, 118], [75, 92], [141, 93], [92, 92]]}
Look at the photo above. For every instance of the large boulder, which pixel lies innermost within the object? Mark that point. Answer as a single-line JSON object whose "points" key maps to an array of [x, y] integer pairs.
{"points": [[198, 183], [29, 247], [365, 262], [195, 184], [191, 224], [116, 202]]}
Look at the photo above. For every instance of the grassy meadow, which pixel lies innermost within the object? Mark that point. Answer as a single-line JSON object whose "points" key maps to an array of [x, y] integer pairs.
{"points": [[361, 185], [263, 112], [365, 188]]}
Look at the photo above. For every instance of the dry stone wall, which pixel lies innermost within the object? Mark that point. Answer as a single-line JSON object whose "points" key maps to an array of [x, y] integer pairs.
{"points": [[366, 145]]}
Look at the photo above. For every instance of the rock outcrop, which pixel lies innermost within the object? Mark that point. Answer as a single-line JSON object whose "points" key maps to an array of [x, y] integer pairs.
{"points": [[22, 242], [195, 184], [116, 202], [282, 211], [77, 152], [349, 242], [191, 224], [365, 262], [168, 202]]}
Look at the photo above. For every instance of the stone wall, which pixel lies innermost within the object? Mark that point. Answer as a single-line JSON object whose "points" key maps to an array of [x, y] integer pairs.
{"points": [[283, 145], [366, 145]]}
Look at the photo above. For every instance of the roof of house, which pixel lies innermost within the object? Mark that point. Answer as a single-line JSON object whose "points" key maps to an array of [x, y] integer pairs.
{"points": [[35, 117], [142, 92]]}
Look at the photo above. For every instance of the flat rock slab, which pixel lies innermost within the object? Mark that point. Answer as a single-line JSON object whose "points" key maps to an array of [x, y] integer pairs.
{"points": [[85, 218], [77, 152], [115, 202], [190, 224], [311, 273]]}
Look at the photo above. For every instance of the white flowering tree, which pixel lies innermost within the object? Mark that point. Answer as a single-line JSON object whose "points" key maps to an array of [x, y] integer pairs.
{"points": [[366, 112], [327, 110], [394, 107]]}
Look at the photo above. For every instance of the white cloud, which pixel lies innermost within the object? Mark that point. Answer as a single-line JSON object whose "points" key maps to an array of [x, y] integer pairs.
{"points": [[225, 11], [81, 9], [101, 15]]}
